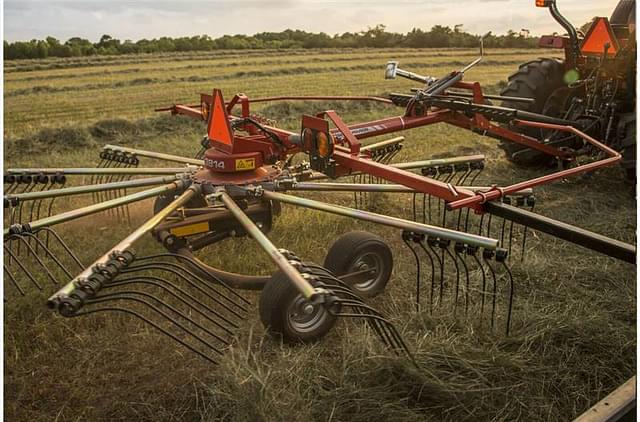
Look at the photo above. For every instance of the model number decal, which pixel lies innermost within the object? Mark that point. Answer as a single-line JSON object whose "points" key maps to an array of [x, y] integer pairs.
{"points": [[213, 164]]}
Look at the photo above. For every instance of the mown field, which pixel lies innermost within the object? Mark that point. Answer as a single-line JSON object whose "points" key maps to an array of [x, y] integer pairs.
{"points": [[573, 337]]}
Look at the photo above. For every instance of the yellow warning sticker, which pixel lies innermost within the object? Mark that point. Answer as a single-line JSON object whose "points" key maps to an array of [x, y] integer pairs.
{"points": [[190, 229], [245, 163]]}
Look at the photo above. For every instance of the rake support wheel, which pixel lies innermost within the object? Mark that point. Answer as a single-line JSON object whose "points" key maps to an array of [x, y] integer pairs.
{"points": [[287, 315], [364, 255]]}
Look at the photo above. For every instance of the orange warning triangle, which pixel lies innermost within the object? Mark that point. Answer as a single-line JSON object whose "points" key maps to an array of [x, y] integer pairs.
{"points": [[600, 34], [218, 128]]}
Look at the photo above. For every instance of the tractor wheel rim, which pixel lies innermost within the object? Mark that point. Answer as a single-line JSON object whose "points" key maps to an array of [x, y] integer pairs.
{"points": [[370, 262], [304, 317]]}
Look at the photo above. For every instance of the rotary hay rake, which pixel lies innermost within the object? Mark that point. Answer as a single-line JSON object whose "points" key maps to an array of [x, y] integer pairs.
{"points": [[459, 234]]}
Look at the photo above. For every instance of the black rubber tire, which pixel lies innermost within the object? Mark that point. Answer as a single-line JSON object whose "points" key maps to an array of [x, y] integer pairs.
{"points": [[277, 300], [624, 13], [627, 134], [536, 79], [361, 248]]}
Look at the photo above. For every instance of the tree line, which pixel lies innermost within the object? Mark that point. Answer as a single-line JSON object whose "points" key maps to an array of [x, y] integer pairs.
{"points": [[377, 37]]}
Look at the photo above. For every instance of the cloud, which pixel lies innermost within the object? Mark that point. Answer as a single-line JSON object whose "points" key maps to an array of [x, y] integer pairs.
{"points": [[27, 19]]}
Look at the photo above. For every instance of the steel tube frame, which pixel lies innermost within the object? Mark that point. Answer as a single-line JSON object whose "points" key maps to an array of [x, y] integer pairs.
{"points": [[469, 239], [88, 171], [102, 206], [382, 144], [378, 187], [156, 155], [79, 190], [126, 242], [590, 240], [280, 260], [495, 193]]}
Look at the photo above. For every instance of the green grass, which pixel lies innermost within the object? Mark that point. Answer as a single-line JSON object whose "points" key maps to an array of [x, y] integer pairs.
{"points": [[573, 337]]}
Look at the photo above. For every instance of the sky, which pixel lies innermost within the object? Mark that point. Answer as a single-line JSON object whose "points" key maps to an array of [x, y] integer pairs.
{"points": [[136, 19]]}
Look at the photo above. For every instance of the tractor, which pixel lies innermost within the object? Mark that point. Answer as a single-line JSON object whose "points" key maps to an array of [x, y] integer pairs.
{"points": [[593, 86]]}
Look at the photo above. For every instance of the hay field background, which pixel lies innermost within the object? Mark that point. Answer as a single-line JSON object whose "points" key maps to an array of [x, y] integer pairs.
{"points": [[574, 336]]}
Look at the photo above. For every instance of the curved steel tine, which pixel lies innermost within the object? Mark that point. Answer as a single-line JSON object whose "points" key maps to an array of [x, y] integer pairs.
{"points": [[489, 225], [405, 238], [158, 282], [511, 294], [473, 180], [524, 237], [49, 253], [355, 194], [510, 237], [14, 281], [440, 266], [182, 258], [156, 266], [455, 263], [12, 186], [49, 230], [460, 254], [424, 210], [23, 268], [127, 293], [495, 289], [483, 291], [413, 202], [433, 275], [129, 296], [480, 224], [35, 255], [50, 210], [145, 320], [40, 201]]}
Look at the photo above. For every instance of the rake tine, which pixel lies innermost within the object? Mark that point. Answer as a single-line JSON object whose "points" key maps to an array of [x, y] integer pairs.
{"points": [[524, 236], [510, 237], [460, 249], [511, 293], [63, 244], [92, 179], [218, 280], [433, 275], [171, 308], [170, 268], [157, 282], [35, 255], [406, 236], [130, 296], [23, 268], [47, 186], [455, 263], [432, 242], [14, 281], [62, 180], [147, 321], [48, 252], [372, 314], [484, 282], [486, 256], [413, 201]]}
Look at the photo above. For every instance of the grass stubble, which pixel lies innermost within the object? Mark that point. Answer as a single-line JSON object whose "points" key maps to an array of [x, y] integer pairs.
{"points": [[573, 337]]}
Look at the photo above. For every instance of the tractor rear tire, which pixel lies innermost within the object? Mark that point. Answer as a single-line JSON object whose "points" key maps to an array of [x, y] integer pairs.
{"points": [[359, 251], [537, 79], [288, 316], [627, 135]]}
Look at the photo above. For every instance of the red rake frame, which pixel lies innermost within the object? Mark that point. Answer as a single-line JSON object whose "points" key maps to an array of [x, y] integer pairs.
{"points": [[346, 147]]}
